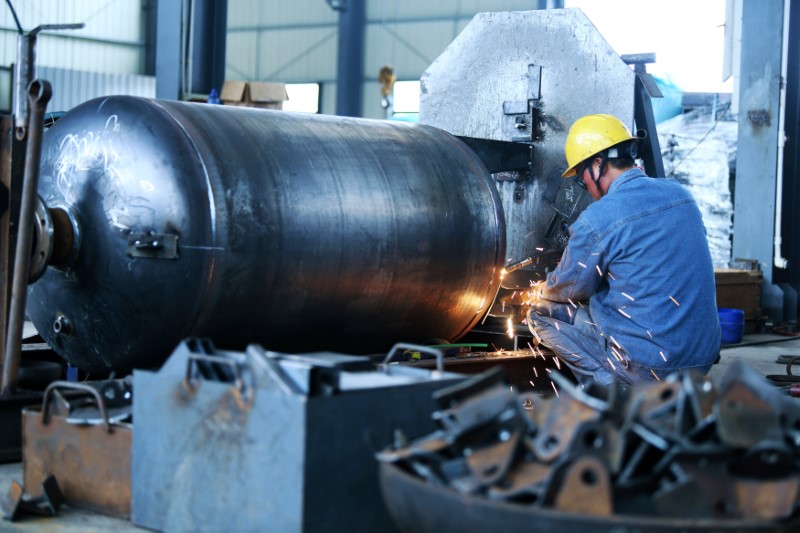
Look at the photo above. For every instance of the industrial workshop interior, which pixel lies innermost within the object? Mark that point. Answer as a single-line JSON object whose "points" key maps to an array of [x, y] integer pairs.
{"points": [[399, 265]]}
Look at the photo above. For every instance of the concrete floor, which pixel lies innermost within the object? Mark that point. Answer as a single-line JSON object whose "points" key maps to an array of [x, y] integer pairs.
{"points": [[759, 351], [69, 519]]}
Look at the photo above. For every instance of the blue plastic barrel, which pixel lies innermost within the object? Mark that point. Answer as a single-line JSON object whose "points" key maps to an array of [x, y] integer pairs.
{"points": [[732, 323]]}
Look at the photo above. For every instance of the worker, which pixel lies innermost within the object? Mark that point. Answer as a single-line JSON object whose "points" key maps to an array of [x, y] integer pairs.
{"points": [[633, 296]]}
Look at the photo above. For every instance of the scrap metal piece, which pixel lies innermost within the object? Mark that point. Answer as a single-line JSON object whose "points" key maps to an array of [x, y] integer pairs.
{"points": [[768, 500], [18, 500], [559, 428], [697, 492], [525, 482], [479, 400], [657, 403], [702, 395], [490, 463], [12, 500], [749, 410], [602, 439], [585, 488], [764, 461]]}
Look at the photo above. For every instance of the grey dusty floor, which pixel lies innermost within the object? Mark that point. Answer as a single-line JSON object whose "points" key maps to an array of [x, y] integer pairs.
{"points": [[759, 351]]}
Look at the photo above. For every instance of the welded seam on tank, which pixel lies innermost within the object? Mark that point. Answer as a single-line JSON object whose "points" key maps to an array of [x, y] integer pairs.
{"points": [[500, 239], [212, 207]]}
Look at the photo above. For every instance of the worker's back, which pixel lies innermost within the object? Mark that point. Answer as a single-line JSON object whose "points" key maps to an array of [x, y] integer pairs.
{"points": [[658, 301]]}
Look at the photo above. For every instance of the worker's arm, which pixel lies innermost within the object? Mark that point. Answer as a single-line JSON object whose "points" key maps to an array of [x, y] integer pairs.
{"points": [[581, 270]]}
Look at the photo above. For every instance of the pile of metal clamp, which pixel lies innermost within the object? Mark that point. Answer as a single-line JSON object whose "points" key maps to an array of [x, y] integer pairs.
{"points": [[676, 448]]}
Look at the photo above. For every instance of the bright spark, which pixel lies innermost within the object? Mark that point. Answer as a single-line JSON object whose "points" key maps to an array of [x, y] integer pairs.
{"points": [[554, 388], [611, 276], [655, 375], [600, 272], [558, 363], [674, 301], [510, 329], [535, 373], [610, 362], [572, 303], [664, 357], [628, 296], [616, 354], [623, 313], [558, 328], [648, 332], [590, 323], [581, 265]]}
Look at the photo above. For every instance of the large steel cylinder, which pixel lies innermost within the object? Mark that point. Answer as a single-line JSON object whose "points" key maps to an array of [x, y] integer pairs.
{"points": [[299, 232]]}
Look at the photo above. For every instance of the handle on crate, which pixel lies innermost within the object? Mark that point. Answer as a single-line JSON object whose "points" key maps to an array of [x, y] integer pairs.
{"points": [[48, 394], [245, 392], [400, 346]]}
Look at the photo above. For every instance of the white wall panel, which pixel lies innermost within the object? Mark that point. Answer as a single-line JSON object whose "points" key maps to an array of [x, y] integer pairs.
{"points": [[296, 41], [71, 87], [112, 40]]}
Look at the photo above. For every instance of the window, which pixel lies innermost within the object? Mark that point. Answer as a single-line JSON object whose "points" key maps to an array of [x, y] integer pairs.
{"points": [[303, 97], [406, 97]]}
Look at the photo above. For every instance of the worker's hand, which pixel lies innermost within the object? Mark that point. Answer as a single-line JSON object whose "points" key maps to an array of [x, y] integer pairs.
{"points": [[559, 311]]}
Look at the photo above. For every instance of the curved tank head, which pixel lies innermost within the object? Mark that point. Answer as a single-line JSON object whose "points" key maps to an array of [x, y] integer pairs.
{"points": [[119, 168], [299, 232]]}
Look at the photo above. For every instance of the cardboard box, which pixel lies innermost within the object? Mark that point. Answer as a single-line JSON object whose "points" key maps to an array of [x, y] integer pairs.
{"points": [[740, 289], [265, 95]]}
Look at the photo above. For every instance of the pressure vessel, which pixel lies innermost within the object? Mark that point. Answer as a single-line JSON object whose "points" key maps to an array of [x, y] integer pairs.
{"points": [[295, 231]]}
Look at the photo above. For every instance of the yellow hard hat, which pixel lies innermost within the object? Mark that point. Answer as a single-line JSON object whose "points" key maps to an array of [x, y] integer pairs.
{"points": [[591, 135]]}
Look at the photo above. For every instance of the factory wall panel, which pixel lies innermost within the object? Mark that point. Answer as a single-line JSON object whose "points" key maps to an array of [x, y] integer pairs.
{"points": [[399, 9], [241, 53], [297, 55], [112, 41], [296, 42], [408, 47], [71, 87], [258, 13]]}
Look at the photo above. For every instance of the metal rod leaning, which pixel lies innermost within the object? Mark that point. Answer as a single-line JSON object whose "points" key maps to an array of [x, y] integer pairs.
{"points": [[39, 93]]}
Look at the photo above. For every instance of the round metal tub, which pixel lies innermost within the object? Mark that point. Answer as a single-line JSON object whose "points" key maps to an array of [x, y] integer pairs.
{"points": [[419, 507]]}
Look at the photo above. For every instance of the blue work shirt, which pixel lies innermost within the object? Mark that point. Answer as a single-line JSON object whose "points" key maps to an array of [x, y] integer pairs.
{"points": [[640, 257]]}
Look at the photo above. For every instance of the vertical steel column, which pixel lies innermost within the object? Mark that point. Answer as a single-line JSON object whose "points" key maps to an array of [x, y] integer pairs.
{"points": [[756, 164], [150, 8], [168, 50], [350, 62], [207, 45], [790, 278]]}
